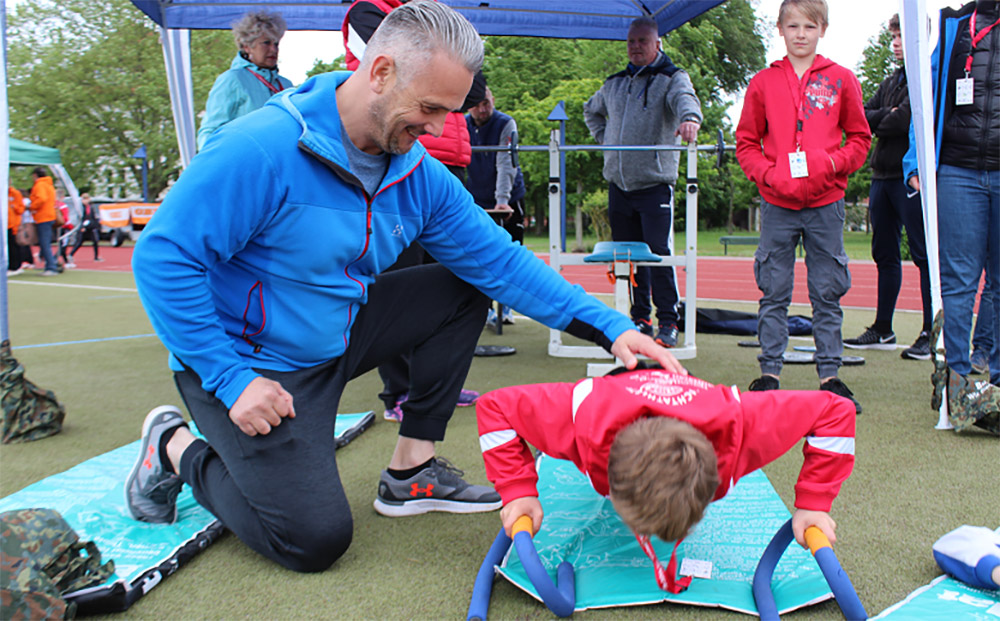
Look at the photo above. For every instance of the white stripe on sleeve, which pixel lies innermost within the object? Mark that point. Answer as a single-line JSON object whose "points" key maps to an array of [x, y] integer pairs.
{"points": [[580, 392], [494, 439], [844, 446]]}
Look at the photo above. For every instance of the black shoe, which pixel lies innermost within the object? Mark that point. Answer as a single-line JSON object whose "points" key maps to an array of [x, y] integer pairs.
{"points": [[645, 326], [920, 350], [765, 382], [667, 336], [838, 387], [979, 361], [870, 339]]}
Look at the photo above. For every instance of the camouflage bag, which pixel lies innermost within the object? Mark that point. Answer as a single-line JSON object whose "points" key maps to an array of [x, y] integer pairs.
{"points": [[41, 559], [970, 403], [29, 412]]}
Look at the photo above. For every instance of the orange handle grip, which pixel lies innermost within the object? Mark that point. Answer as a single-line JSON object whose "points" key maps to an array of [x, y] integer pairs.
{"points": [[815, 539], [522, 523]]}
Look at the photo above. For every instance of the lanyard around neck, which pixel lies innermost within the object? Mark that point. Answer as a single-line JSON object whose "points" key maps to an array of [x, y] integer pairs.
{"points": [[665, 578], [272, 87], [976, 38]]}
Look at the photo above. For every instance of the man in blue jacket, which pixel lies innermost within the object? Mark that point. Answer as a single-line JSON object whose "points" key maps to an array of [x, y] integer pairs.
{"points": [[261, 274]]}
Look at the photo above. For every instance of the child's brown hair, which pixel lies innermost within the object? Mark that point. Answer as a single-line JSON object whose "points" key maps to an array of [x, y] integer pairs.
{"points": [[662, 473], [814, 10]]}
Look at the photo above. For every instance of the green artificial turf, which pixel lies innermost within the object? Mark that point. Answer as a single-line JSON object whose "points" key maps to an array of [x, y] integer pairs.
{"points": [[911, 484]]}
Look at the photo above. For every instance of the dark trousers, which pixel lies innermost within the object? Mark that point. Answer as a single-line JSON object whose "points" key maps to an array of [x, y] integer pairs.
{"points": [[395, 373], [647, 216], [14, 253], [89, 233], [890, 210], [281, 493], [45, 233]]}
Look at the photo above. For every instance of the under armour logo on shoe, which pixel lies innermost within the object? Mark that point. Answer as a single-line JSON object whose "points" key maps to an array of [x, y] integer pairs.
{"points": [[148, 463], [416, 490]]}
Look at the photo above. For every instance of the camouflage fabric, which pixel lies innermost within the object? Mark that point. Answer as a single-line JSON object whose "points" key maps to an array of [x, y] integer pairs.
{"points": [[29, 413], [970, 403], [42, 558]]}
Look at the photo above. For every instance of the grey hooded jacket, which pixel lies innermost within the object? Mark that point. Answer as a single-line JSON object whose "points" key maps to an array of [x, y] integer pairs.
{"points": [[637, 106]]}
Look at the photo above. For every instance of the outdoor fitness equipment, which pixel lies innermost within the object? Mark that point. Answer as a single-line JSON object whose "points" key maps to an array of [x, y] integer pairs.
{"points": [[560, 598], [840, 584]]}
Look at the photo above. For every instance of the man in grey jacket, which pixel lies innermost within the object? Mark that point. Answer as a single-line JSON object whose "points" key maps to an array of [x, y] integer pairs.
{"points": [[651, 101]]}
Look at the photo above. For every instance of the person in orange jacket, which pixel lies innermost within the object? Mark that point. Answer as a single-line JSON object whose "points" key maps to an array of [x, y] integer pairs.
{"points": [[15, 207], [43, 211]]}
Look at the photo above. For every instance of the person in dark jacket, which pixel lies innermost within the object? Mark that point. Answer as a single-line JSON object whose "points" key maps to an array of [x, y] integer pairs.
{"points": [[890, 208], [90, 228], [965, 76]]}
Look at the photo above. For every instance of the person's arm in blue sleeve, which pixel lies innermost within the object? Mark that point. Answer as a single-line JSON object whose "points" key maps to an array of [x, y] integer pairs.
{"points": [[970, 554]]}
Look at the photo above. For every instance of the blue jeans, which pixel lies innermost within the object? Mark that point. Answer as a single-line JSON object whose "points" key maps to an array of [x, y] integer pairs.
{"points": [[45, 245], [828, 279], [969, 242]]}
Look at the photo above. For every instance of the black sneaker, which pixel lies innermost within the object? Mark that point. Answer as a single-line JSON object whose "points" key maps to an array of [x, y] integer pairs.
{"points": [[645, 326], [439, 487], [870, 339], [920, 350], [979, 361], [667, 336], [838, 387], [765, 382]]}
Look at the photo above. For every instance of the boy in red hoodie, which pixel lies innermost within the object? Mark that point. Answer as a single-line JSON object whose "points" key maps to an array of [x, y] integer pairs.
{"points": [[788, 141], [663, 446]]}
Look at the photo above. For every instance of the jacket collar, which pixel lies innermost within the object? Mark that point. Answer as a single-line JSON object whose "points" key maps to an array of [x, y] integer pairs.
{"points": [[313, 105]]}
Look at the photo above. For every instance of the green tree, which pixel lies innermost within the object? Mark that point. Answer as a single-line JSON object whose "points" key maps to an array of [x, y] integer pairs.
{"points": [[87, 77], [319, 66]]}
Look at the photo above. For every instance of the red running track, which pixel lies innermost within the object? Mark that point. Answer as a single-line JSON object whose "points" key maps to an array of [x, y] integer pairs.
{"points": [[719, 278]]}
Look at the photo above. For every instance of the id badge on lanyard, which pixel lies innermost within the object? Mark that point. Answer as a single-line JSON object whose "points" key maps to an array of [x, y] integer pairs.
{"points": [[797, 158], [964, 86]]}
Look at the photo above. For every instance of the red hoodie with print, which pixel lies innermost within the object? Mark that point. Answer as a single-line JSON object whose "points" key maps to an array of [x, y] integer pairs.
{"points": [[783, 114]]}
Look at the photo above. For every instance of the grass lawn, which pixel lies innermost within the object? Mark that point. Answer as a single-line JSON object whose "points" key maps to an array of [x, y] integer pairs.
{"points": [[911, 483], [857, 244]]}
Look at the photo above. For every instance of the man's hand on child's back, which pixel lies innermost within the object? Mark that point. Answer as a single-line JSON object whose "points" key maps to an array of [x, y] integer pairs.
{"points": [[632, 342], [803, 519], [525, 505]]}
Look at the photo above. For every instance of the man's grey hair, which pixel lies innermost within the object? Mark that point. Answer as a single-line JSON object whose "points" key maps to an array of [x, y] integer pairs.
{"points": [[645, 22], [253, 25], [413, 32]]}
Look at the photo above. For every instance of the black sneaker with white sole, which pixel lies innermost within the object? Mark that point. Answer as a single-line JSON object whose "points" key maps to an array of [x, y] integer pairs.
{"points": [[870, 339], [439, 487], [920, 350]]}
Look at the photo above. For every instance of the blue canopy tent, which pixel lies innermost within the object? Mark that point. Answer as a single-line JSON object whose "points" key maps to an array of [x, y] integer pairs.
{"points": [[582, 19]]}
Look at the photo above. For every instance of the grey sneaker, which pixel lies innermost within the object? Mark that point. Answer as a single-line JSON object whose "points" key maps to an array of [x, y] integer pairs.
{"points": [[150, 492], [439, 487], [979, 361]]}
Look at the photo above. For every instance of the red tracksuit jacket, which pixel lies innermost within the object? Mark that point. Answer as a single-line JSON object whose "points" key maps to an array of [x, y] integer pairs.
{"points": [[828, 103], [578, 422]]}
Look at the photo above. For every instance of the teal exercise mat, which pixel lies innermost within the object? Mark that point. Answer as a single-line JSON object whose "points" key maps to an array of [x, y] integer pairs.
{"points": [[582, 527], [91, 498], [945, 599]]}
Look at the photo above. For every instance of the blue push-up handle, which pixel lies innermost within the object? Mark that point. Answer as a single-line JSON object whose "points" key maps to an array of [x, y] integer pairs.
{"points": [[483, 588], [560, 598], [840, 584]]}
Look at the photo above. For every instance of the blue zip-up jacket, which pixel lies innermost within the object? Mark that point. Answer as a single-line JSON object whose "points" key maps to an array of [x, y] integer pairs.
{"points": [[237, 92], [262, 253]]}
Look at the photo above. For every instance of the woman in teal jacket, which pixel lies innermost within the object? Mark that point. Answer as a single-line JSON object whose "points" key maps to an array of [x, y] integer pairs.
{"points": [[252, 77]]}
